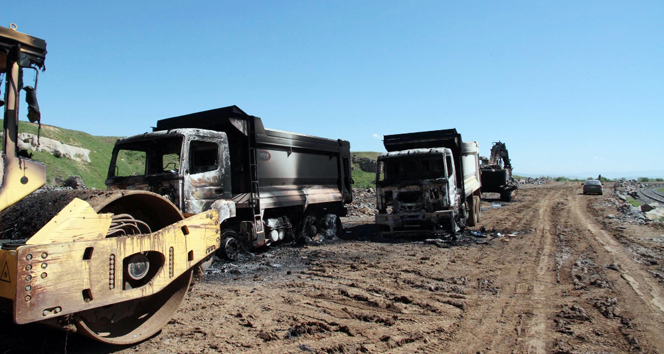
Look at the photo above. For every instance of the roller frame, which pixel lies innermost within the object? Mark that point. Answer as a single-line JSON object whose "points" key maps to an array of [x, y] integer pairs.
{"points": [[64, 241]]}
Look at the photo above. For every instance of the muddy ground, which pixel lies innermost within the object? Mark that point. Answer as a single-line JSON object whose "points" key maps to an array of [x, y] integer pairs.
{"points": [[564, 276]]}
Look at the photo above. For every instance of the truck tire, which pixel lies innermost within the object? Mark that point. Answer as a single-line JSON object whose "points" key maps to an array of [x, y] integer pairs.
{"points": [[506, 196], [230, 246], [306, 229], [331, 226]]}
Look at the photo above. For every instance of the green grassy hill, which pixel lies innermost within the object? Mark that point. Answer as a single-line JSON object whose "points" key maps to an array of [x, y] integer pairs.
{"points": [[93, 173], [101, 147], [364, 179]]}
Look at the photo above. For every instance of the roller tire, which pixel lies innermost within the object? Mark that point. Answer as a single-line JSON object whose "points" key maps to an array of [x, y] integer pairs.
{"points": [[146, 316]]}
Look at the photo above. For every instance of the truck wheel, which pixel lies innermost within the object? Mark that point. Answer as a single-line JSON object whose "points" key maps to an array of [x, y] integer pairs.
{"points": [[306, 229], [506, 196], [331, 226], [230, 246]]}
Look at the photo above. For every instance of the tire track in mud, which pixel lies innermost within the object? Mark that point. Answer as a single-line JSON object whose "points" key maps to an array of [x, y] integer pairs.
{"points": [[513, 316], [385, 301], [353, 302], [638, 296], [544, 277], [592, 309], [640, 282]]}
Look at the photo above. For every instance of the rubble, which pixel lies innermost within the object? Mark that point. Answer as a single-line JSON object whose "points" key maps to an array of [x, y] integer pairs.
{"points": [[364, 203], [75, 182], [536, 181], [645, 214]]}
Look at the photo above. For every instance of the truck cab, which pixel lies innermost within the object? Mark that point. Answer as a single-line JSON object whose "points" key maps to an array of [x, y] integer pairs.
{"points": [[189, 167], [415, 189], [427, 183]]}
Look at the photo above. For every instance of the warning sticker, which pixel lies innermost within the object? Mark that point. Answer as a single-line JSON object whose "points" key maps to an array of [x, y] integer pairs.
{"points": [[5, 273]]}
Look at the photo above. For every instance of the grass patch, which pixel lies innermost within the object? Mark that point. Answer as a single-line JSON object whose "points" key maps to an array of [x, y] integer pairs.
{"points": [[661, 190], [634, 202], [363, 179]]}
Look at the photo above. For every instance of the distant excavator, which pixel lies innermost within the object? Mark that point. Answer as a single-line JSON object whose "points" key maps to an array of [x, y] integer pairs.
{"points": [[496, 173]]}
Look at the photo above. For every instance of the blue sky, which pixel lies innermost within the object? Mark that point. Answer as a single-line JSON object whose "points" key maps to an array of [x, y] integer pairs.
{"points": [[572, 87]]}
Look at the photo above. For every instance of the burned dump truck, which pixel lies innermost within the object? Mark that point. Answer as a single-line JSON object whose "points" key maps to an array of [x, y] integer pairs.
{"points": [[496, 173], [427, 183], [268, 185], [113, 264]]}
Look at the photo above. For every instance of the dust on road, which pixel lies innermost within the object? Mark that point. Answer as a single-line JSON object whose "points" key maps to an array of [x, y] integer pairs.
{"points": [[568, 279]]}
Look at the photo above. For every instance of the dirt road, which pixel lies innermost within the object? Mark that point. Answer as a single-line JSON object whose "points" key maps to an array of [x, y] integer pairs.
{"points": [[564, 276]]}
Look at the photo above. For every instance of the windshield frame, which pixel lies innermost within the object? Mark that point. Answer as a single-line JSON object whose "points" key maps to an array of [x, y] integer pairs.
{"points": [[155, 149], [411, 168]]}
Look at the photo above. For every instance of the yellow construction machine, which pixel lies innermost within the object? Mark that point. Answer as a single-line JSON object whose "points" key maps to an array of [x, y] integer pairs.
{"points": [[113, 264]]}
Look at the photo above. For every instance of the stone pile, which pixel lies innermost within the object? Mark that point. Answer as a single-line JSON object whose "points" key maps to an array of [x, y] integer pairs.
{"points": [[627, 187], [631, 214], [535, 181]]}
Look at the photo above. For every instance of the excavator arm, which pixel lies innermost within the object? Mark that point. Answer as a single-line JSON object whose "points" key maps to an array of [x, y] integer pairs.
{"points": [[499, 154]]}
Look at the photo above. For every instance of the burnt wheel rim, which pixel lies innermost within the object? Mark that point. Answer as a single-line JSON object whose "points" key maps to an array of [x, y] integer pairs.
{"points": [[231, 249]]}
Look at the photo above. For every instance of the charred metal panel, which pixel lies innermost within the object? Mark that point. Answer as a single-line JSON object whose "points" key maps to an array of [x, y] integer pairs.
{"points": [[448, 138], [429, 196], [226, 209], [291, 195], [279, 167], [207, 175], [493, 180], [168, 189]]}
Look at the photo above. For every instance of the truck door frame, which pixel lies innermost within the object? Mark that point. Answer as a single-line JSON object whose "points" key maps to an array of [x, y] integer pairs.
{"points": [[202, 188]]}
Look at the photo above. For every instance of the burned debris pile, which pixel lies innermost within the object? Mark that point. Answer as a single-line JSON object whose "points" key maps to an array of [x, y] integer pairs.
{"points": [[364, 203]]}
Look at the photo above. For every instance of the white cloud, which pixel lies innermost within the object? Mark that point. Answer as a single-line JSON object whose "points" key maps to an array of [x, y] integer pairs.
{"points": [[377, 136]]}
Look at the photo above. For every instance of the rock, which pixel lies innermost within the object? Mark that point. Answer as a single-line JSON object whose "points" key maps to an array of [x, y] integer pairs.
{"points": [[75, 182], [57, 153], [366, 164], [647, 207]]}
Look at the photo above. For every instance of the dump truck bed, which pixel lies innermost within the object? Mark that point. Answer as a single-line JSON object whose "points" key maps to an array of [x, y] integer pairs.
{"points": [[292, 169]]}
